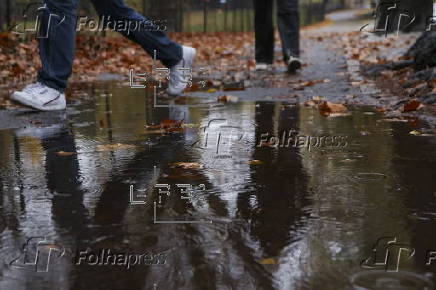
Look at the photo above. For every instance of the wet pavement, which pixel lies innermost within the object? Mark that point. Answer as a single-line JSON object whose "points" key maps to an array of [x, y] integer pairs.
{"points": [[287, 213], [257, 193]]}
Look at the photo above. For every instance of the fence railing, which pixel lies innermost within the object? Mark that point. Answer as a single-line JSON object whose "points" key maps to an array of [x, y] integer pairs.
{"points": [[187, 15]]}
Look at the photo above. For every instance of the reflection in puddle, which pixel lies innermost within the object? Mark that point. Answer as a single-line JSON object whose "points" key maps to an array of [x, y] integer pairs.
{"points": [[283, 217]]}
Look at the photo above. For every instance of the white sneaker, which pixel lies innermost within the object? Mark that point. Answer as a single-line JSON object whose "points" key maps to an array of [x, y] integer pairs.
{"points": [[178, 80], [294, 63], [261, 66], [40, 97]]}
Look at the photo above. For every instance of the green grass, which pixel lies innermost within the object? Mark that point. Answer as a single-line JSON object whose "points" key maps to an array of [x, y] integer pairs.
{"points": [[237, 20]]}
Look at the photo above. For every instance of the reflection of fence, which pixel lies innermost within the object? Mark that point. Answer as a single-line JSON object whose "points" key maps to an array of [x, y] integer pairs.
{"points": [[188, 15]]}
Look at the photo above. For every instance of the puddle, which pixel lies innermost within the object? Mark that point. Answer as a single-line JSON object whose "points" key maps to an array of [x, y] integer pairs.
{"points": [[221, 209]]}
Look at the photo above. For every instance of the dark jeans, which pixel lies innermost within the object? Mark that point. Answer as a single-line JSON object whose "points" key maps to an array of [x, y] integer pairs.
{"points": [[288, 24], [57, 37]]}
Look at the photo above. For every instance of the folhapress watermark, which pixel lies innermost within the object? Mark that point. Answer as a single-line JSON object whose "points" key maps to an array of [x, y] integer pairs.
{"points": [[42, 255], [105, 257], [37, 14], [388, 14], [291, 139], [388, 254], [38, 253]]}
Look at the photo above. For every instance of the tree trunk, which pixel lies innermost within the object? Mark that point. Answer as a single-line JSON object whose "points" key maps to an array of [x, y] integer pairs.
{"points": [[423, 51]]}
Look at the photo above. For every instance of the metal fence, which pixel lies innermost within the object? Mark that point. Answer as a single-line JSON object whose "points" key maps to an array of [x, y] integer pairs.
{"points": [[187, 15]]}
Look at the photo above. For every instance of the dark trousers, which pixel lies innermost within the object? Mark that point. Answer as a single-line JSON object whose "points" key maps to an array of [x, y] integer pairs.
{"points": [[288, 24], [57, 40]]}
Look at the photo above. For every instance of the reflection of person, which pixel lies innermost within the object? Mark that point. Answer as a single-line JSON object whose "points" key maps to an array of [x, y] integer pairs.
{"points": [[288, 24], [57, 50]]}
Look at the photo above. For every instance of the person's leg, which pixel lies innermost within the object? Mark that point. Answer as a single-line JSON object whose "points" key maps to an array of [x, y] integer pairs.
{"points": [[56, 37], [167, 51], [264, 31], [57, 42], [289, 27]]}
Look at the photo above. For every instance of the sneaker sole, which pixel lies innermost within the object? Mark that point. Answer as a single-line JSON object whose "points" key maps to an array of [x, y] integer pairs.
{"points": [[38, 107], [293, 66]]}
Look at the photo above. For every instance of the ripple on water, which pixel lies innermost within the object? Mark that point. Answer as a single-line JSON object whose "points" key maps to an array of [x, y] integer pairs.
{"points": [[382, 280], [368, 176]]}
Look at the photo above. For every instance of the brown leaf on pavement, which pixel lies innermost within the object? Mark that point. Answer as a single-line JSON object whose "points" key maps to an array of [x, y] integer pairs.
{"points": [[413, 105]]}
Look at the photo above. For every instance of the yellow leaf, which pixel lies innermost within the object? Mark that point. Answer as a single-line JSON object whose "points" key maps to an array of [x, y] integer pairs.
{"points": [[268, 261], [113, 147], [211, 90], [255, 162], [414, 132], [187, 165]]}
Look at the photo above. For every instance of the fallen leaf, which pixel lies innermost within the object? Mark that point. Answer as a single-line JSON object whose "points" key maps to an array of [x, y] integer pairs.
{"points": [[328, 108], [63, 153], [211, 90], [413, 105], [268, 261], [308, 83], [187, 165], [227, 98], [255, 162], [114, 147], [414, 132]]}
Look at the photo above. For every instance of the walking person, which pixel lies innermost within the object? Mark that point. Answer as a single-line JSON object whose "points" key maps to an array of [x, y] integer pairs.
{"points": [[57, 50], [288, 25]]}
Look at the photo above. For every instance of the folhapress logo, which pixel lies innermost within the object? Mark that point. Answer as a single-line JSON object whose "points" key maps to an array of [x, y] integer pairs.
{"points": [[39, 253], [387, 254]]}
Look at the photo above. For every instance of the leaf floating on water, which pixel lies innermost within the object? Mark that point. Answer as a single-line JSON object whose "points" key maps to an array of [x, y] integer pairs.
{"points": [[332, 109], [227, 98], [414, 132], [114, 147], [255, 162], [187, 165], [63, 153], [211, 90], [268, 261], [167, 125]]}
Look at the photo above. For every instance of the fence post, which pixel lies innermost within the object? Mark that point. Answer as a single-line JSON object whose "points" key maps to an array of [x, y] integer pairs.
{"points": [[8, 13], [204, 17], [225, 16]]}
